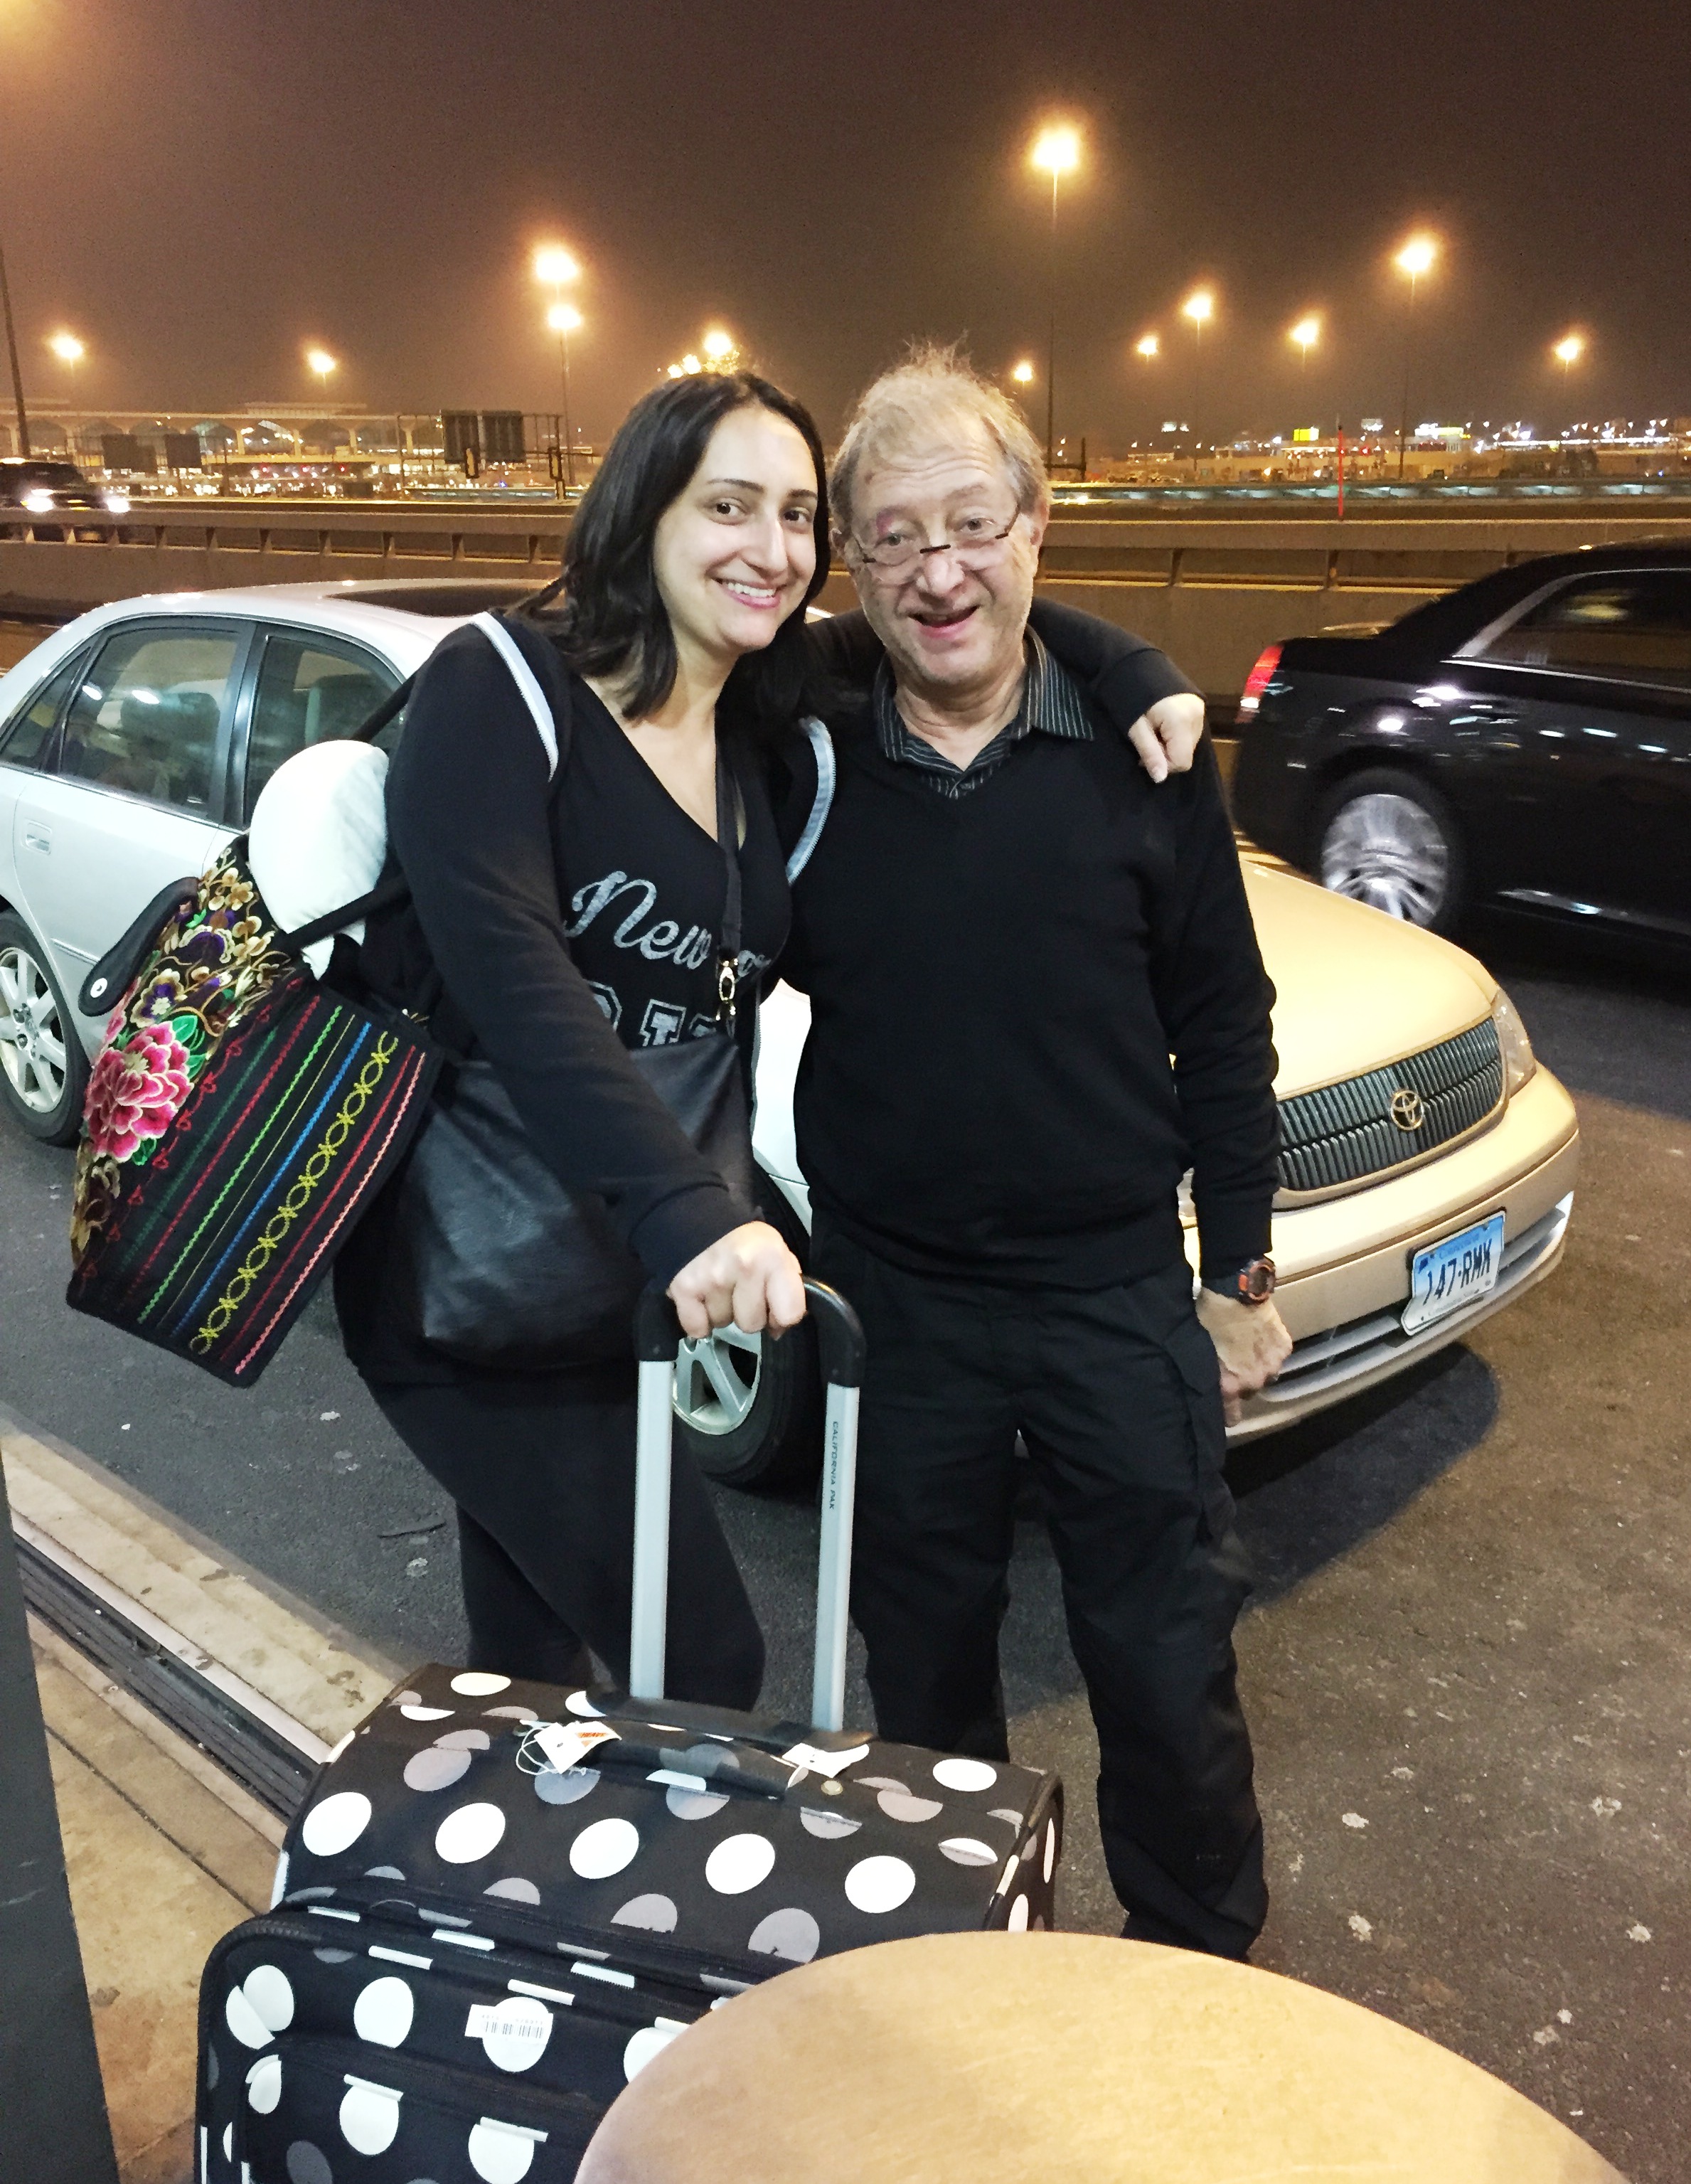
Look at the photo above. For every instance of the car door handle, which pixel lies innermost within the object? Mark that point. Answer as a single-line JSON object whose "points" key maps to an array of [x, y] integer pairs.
{"points": [[37, 837]]}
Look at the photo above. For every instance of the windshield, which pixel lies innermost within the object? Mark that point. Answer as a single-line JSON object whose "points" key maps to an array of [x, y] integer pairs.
{"points": [[42, 474]]}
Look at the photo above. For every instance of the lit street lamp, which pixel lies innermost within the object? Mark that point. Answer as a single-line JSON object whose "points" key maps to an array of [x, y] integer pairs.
{"points": [[1146, 345], [1567, 352], [1023, 374], [320, 361], [554, 267], [1200, 308], [1414, 258], [1057, 152], [1306, 333], [719, 348]]}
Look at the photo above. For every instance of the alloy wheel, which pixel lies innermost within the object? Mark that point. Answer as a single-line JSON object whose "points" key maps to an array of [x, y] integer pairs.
{"points": [[32, 1032], [1388, 851], [717, 1380]]}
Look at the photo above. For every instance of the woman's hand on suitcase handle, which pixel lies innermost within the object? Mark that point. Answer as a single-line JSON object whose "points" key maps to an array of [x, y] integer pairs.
{"points": [[748, 1276]]}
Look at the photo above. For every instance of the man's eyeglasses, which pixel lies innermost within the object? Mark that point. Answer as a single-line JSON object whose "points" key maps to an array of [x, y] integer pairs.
{"points": [[977, 541]]}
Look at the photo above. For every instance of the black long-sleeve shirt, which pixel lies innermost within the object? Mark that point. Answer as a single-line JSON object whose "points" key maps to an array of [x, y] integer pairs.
{"points": [[569, 922], [1035, 1006]]}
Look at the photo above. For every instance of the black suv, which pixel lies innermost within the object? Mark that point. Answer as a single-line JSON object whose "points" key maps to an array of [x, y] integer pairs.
{"points": [[42, 486], [1526, 739]]}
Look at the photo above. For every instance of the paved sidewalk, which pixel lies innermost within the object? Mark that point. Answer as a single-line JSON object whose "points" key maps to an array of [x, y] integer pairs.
{"points": [[164, 1852]]}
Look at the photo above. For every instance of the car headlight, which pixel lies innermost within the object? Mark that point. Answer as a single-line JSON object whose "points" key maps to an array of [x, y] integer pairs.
{"points": [[38, 502], [117, 503], [1518, 1060]]}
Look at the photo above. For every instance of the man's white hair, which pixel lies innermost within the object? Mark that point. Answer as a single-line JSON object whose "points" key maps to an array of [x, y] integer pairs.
{"points": [[935, 397]]}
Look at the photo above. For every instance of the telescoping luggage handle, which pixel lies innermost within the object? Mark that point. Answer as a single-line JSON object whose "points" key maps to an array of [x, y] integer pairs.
{"points": [[658, 1335]]}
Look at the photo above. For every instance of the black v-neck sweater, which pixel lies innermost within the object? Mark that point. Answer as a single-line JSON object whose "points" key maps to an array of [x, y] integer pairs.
{"points": [[1032, 1009]]}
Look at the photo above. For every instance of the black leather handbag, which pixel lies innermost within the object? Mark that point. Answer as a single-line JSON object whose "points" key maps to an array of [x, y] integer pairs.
{"points": [[506, 1267]]}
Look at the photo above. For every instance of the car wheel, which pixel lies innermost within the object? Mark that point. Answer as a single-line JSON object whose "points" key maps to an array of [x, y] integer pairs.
{"points": [[43, 1071], [749, 1407], [1386, 839]]}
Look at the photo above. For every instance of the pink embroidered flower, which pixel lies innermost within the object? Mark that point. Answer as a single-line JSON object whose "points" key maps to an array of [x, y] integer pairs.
{"points": [[136, 1090]]}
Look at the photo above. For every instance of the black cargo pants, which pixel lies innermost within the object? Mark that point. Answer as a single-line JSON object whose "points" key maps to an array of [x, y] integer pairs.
{"points": [[1117, 1396]]}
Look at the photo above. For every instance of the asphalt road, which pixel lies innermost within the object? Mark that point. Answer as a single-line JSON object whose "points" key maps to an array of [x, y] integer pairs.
{"points": [[1465, 1665]]}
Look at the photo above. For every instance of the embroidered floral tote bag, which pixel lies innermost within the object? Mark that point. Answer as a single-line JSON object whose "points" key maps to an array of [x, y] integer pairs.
{"points": [[239, 1118]]}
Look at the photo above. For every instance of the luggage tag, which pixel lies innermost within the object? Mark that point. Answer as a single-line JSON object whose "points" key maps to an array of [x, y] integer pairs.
{"points": [[567, 1744], [808, 1759]]}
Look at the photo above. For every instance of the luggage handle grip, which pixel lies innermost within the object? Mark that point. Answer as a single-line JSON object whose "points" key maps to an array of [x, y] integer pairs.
{"points": [[658, 1335]]}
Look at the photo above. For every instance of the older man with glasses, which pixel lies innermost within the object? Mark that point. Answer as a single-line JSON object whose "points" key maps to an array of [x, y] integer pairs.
{"points": [[1036, 1002]]}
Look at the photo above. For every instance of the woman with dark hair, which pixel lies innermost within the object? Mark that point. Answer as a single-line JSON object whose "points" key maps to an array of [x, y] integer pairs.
{"points": [[560, 923]]}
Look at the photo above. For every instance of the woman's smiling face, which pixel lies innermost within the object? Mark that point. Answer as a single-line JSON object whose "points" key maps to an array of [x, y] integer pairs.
{"points": [[734, 553]]}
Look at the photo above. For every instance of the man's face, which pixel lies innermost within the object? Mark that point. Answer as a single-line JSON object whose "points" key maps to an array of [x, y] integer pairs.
{"points": [[953, 624]]}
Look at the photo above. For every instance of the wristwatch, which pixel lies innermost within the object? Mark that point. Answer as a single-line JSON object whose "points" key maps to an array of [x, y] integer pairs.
{"points": [[1254, 1284]]}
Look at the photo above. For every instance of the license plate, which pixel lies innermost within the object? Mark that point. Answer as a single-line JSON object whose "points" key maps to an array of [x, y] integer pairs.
{"points": [[1460, 1271]]}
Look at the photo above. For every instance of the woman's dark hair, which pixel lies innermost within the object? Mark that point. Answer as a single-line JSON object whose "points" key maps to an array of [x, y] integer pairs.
{"points": [[611, 619]]}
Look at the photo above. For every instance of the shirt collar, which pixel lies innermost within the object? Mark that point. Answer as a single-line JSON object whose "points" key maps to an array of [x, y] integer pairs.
{"points": [[1052, 702]]}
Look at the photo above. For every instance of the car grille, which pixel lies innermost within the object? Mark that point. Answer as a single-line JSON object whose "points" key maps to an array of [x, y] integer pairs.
{"points": [[1345, 1132]]}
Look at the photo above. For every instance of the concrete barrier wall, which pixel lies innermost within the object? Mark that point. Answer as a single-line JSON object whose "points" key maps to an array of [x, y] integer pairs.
{"points": [[1212, 590]]}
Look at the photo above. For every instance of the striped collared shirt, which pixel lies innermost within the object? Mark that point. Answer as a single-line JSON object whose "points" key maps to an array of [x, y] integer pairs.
{"points": [[1051, 701]]}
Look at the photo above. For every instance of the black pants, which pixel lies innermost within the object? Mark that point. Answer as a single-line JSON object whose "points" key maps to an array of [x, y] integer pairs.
{"points": [[541, 1468], [1117, 1396]]}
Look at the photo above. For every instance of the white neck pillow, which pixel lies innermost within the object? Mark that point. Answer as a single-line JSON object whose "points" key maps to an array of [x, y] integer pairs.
{"points": [[319, 837]]}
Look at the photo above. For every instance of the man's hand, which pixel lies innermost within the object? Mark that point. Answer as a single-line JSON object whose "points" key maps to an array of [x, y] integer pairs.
{"points": [[748, 1276], [1166, 735], [1251, 1343]]}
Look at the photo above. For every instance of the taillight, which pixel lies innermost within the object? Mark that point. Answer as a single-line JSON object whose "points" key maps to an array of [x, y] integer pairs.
{"points": [[1257, 682]]}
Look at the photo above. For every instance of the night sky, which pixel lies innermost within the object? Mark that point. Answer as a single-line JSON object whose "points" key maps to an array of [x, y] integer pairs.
{"points": [[199, 187]]}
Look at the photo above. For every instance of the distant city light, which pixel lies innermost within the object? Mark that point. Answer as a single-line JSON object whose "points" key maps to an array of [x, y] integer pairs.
{"points": [[555, 265], [1057, 151], [690, 364], [1416, 257], [67, 349], [676, 371], [1146, 345], [1023, 374], [564, 319], [1200, 306]]}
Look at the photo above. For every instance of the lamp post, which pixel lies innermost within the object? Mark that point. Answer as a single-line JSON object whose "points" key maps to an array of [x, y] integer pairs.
{"points": [[555, 268], [1414, 258], [1200, 308], [1057, 152], [1567, 352], [318, 361], [1306, 333], [1022, 374], [12, 352], [565, 320], [70, 353], [721, 350]]}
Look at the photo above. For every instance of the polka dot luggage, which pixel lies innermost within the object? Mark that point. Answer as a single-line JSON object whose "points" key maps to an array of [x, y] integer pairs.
{"points": [[501, 1899]]}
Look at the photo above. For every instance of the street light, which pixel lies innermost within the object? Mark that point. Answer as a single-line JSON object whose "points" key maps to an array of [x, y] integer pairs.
{"points": [[555, 268], [1416, 258], [1023, 374], [564, 320], [320, 361], [70, 353], [1568, 352], [1306, 333], [1057, 152], [719, 347], [1200, 308], [1148, 346]]}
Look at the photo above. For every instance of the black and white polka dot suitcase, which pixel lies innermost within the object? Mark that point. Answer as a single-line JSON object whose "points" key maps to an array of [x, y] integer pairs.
{"points": [[501, 1899]]}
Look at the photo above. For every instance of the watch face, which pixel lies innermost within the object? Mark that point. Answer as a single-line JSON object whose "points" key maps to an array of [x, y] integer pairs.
{"points": [[1256, 1281]]}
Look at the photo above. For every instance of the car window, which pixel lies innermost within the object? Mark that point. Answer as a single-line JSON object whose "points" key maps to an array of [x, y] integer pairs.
{"points": [[146, 717], [25, 740], [311, 690], [1632, 625]]}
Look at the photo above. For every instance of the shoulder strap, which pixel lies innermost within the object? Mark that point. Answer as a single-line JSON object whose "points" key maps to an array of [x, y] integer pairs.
{"points": [[822, 749], [528, 683]]}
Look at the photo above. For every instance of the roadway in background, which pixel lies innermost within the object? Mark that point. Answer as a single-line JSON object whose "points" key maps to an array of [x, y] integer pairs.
{"points": [[1464, 1664]]}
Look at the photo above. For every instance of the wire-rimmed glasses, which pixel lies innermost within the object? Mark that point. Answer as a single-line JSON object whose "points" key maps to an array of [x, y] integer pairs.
{"points": [[977, 541]]}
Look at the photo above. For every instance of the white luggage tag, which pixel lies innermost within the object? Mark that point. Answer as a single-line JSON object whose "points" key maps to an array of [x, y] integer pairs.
{"points": [[567, 1744], [807, 1759]]}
